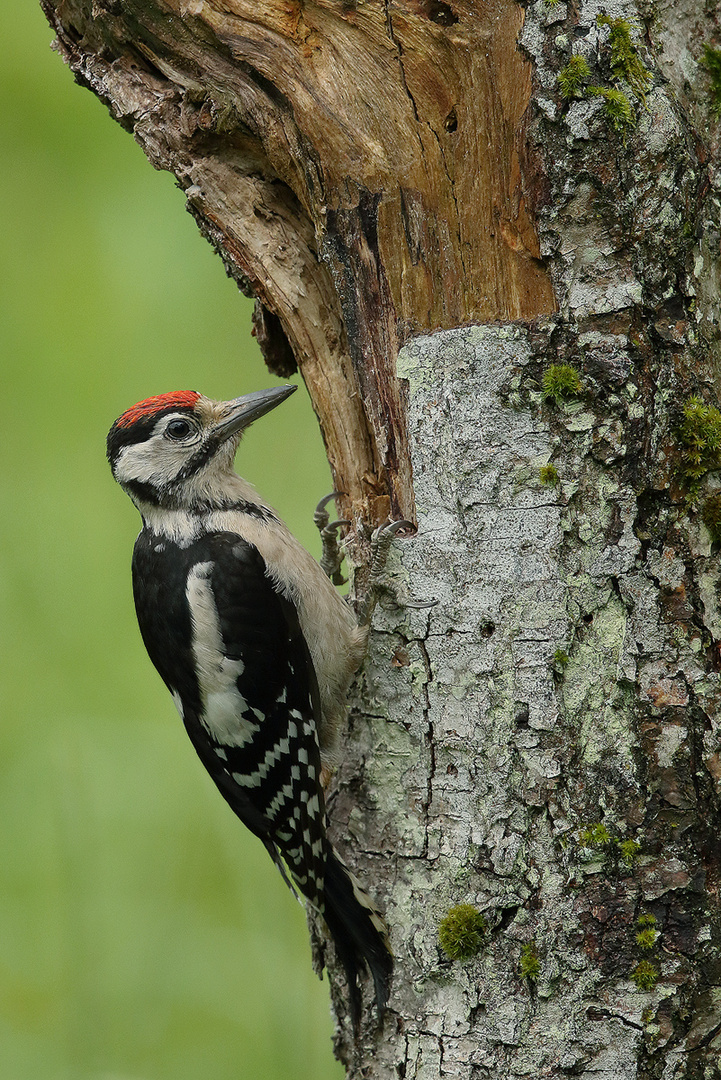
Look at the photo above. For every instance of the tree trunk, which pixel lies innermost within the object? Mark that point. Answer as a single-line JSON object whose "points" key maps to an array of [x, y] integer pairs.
{"points": [[540, 188]]}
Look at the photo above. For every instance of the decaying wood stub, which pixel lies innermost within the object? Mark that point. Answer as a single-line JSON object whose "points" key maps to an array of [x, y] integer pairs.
{"points": [[358, 166]]}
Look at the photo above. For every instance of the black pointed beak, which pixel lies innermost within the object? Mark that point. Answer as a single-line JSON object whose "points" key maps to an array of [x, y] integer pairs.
{"points": [[242, 411]]}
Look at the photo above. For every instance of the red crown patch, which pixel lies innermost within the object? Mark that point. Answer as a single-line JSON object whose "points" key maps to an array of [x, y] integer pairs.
{"points": [[180, 399]]}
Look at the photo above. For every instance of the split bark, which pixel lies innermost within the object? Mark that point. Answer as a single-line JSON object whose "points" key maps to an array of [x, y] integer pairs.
{"points": [[544, 744]]}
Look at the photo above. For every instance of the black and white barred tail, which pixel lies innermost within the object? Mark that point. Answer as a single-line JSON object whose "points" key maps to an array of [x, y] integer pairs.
{"points": [[359, 934]]}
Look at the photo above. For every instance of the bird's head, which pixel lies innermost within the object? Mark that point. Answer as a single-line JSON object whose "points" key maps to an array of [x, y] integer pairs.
{"points": [[175, 450]]}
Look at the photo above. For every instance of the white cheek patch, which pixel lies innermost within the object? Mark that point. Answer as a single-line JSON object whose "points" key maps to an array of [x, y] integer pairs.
{"points": [[155, 461], [225, 712]]}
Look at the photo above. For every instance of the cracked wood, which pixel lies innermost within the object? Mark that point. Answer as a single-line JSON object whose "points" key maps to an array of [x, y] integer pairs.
{"points": [[358, 166]]}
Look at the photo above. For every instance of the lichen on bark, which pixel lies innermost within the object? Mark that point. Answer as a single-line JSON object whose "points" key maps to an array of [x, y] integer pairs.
{"points": [[484, 764]]}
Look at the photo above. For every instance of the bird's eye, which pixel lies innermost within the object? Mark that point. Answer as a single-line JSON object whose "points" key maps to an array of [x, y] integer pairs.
{"points": [[178, 429]]}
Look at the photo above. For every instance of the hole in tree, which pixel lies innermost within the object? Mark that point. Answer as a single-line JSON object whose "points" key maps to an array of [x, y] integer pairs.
{"points": [[441, 13]]}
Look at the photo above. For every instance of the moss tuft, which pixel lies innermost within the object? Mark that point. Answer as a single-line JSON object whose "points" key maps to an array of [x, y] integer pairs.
{"points": [[626, 63], [462, 932], [560, 658], [700, 435], [530, 966], [645, 975], [617, 107], [711, 60], [628, 851], [560, 381], [711, 517], [646, 939], [548, 475], [647, 934], [573, 76], [594, 836]]}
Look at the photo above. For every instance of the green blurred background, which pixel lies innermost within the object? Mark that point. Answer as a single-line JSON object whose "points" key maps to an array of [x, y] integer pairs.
{"points": [[143, 934]]}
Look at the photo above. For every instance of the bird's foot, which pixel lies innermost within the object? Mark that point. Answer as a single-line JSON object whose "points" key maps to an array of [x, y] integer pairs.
{"points": [[332, 556], [381, 541]]}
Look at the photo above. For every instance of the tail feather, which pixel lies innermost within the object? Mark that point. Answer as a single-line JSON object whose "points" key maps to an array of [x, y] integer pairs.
{"points": [[359, 934]]}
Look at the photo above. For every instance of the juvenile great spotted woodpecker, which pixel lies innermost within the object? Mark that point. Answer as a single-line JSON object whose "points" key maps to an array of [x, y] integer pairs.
{"points": [[254, 643]]}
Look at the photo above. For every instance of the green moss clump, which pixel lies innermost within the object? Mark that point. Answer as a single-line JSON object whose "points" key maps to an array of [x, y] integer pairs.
{"points": [[647, 934], [560, 658], [617, 107], [646, 939], [551, 3], [530, 966], [462, 932], [573, 76], [628, 851], [700, 435], [645, 975], [560, 381], [711, 517], [711, 60], [594, 836], [548, 475], [626, 63]]}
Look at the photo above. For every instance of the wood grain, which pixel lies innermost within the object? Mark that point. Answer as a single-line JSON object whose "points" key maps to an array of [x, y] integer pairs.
{"points": [[357, 165]]}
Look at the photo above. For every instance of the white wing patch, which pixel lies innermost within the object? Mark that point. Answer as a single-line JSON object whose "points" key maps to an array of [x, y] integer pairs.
{"points": [[225, 712]]}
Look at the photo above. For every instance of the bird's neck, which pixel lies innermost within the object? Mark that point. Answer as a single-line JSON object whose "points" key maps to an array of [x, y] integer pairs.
{"points": [[202, 506]]}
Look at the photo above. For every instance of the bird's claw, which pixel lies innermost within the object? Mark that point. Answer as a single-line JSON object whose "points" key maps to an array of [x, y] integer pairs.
{"points": [[332, 556], [419, 605], [321, 517], [381, 540]]}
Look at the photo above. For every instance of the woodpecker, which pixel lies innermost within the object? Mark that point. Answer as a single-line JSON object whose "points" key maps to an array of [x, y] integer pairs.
{"points": [[254, 644]]}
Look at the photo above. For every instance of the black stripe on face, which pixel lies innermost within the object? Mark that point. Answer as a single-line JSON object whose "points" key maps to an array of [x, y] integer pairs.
{"points": [[201, 457], [143, 492]]}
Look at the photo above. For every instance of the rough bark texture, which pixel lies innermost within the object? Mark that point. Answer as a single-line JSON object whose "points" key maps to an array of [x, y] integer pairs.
{"points": [[565, 681], [544, 744]]}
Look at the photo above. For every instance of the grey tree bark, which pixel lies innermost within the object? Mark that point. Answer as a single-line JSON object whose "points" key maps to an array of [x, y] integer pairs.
{"points": [[497, 267]]}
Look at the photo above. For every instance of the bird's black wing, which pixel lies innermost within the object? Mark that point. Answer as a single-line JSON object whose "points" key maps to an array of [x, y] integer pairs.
{"points": [[230, 648]]}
